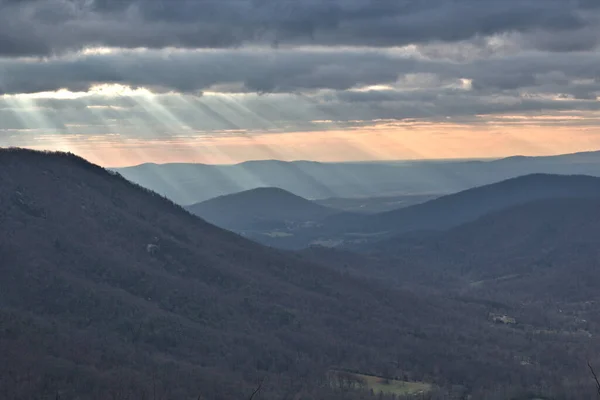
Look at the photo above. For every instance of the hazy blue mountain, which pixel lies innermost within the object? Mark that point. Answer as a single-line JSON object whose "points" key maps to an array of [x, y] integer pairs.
{"points": [[454, 209], [451, 210], [192, 183], [261, 209]]}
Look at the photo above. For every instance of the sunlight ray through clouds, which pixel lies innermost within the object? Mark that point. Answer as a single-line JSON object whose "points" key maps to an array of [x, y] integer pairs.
{"points": [[300, 151], [217, 127], [33, 119]]}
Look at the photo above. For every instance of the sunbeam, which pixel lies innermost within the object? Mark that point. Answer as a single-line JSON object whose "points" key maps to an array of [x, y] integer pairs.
{"points": [[47, 134]]}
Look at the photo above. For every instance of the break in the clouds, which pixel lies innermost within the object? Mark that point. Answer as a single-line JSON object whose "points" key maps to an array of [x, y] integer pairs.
{"points": [[216, 68]]}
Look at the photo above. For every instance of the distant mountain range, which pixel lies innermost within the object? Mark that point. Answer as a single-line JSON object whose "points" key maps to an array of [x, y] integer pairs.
{"points": [[278, 218], [455, 209], [108, 290], [260, 215], [191, 183]]}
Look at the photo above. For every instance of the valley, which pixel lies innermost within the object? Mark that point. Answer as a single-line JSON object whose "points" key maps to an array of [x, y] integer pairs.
{"points": [[299, 200], [113, 284], [279, 219]]}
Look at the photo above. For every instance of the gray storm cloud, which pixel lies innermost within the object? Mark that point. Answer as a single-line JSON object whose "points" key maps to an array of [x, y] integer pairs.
{"points": [[42, 27], [290, 71], [290, 63], [194, 71]]}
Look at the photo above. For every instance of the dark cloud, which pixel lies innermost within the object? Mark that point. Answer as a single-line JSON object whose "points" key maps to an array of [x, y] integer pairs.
{"points": [[192, 72], [471, 57], [41, 27], [311, 85], [296, 71]]}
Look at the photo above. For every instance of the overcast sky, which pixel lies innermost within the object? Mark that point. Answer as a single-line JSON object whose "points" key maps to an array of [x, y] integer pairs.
{"points": [[128, 81]]}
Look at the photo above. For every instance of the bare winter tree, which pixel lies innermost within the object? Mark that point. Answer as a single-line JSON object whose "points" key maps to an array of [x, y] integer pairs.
{"points": [[595, 378], [257, 390]]}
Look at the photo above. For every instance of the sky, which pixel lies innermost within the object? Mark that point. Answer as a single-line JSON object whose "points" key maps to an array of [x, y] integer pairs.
{"points": [[122, 82]]}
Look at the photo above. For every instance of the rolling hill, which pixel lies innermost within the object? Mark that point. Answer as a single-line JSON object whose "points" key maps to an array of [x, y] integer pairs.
{"points": [[452, 210], [260, 209], [108, 290], [547, 250], [540, 251]]}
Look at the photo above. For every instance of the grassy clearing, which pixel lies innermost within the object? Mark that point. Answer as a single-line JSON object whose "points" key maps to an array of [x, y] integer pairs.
{"points": [[365, 235], [388, 386], [277, 234], [495, 280], [395, 387], [327, 242]]}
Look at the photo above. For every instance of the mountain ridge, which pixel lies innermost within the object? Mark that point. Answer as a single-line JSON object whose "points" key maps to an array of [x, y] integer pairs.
{"points": [[455, 209], [535, 246], [110, 288], [433, 160], [259, 209], [191, 183]]}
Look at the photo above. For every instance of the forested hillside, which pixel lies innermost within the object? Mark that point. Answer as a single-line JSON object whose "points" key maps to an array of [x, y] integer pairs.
{"points": [[535, 265], [110, 291], [262, 209], [451, 210], [541, 250], [354, 231]]}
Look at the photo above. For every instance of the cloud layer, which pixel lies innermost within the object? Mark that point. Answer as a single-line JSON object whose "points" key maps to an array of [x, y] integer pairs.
{"points": [[41, 27], [209, 68]]}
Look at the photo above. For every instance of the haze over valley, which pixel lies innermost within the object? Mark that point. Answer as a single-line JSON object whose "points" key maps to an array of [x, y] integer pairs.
{"points": [[108, 267], [299, 200]]}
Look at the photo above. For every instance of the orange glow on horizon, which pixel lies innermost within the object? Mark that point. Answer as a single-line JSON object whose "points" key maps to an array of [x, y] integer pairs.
{"points": [[387, 141]]}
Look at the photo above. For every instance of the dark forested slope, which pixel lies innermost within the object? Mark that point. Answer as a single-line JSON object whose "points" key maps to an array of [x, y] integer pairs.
{"points": [[545, 250], [548, 249], [110, 291], [455, 209], [259, 209], [452, 210]]}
